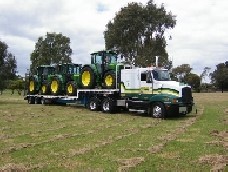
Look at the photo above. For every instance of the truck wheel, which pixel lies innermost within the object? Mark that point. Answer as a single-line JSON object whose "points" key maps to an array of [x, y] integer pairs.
{"points": [[32, 85], [37, 100], [109, 80], [158, 110], [94, 104], [71, 88], [108, 105], [87, 78], [31, 100], [55, 86], [45, 89]]}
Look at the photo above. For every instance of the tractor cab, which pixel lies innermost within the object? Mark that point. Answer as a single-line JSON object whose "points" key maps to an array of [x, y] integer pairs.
{"points": [[39, 82], [102, 71], [44, 71], [67, 75]]}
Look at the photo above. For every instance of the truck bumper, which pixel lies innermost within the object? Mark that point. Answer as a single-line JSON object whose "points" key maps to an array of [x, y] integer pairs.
{"points": [[176, 109]]}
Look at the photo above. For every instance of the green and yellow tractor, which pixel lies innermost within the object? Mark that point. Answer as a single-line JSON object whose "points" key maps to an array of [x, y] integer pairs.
{"points": [[102, 72], [66, 79], [39, 83]]}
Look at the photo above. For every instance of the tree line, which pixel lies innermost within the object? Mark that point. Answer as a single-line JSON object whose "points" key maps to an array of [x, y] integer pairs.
{"points": [[137, 32]]}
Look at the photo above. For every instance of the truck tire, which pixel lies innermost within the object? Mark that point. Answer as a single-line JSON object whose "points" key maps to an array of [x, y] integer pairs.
{"points": [[71, 88], [32, 85], [158, 110], [109, 80], [87, 78], [45, 88], [56, 86], [31, 100], [94, 104], [37, 100], [108, 105], [43, 101]]}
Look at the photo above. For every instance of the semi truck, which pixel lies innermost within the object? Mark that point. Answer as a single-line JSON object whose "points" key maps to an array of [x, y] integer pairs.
{"points": [[145, 90]]}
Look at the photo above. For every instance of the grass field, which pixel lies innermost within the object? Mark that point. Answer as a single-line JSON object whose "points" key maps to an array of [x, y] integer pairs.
{"points": [[63, 138]]}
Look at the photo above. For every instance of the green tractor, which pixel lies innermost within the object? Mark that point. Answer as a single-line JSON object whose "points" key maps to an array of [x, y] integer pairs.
{"points": [[66, 79], [102, 71], [38, 83]]}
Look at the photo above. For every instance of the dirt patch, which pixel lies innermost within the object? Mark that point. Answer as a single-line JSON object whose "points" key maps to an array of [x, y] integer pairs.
{"points": [[218, 162], [222, 136], [21, 167], [125, 164], [226, 111], [185, 140], [170, 155], [156, 149]]}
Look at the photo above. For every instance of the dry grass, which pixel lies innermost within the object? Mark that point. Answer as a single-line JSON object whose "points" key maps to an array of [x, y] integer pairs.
{"points": [[36, 137]]}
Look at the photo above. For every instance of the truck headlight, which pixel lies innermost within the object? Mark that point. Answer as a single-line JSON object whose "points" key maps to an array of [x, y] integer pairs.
{"points": [[175, 100]]}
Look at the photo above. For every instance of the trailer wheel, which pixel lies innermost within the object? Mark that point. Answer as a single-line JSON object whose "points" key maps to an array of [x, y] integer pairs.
{"points": [[43, 101], [31, 100], [108, 105], [87, 78], [37, 100], [109, 80], [45, 88], [55, 86], [32, 85], [94, 104], [71, 88], [158, 110]]}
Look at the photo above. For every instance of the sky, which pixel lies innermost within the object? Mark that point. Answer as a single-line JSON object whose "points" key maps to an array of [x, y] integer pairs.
{"points": [[200, 37]]}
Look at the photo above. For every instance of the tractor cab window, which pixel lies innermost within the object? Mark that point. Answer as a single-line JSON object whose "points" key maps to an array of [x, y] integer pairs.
{"points": [[113, 58], [98, 59]]}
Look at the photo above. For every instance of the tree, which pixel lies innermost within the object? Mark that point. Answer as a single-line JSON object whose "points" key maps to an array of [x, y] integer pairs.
{"points": [[181, 71], [193, 80], [137, 31], [53, 48], [8, 65], [219, 77]]}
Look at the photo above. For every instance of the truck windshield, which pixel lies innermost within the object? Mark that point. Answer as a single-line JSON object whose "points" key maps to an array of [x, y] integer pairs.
{"points": [[161, 75]]}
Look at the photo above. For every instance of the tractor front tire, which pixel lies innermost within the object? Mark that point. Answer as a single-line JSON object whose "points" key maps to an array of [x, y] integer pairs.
{"points": [[45, 88], [87, 78], [109, 80], [56, 86], [71, 88]]}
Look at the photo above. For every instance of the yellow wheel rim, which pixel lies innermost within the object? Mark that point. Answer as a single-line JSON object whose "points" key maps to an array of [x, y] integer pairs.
{"points": [[31, 86], [70, 89], [54, 86], [108, 80], [43, 89], [86, 78]]}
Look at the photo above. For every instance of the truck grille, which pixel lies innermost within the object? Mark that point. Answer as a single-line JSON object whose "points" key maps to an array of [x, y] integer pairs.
{"points": [[187, 95]]}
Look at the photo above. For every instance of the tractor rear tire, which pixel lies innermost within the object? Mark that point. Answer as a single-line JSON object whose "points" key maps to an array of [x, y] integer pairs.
{"points": [[87, 78], [71, 88], [32, 85], [45, 88], [56, 86], [109, 80]]}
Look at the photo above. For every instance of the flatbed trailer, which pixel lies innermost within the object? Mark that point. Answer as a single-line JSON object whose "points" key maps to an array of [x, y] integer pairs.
{"points": [[111, 101]]}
